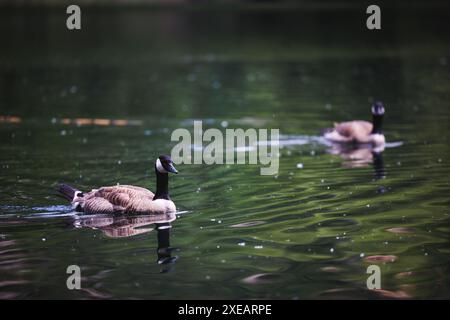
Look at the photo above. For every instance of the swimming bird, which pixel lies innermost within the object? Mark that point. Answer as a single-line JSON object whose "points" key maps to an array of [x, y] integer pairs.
{"points": [[359, 131], [125, 198]]}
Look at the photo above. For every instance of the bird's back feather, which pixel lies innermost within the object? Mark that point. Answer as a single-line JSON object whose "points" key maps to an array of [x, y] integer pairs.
{"points": [[350, 131], [123, 198]]}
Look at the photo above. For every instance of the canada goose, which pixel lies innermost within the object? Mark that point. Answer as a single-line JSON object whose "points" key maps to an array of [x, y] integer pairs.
{"points": [[124, 198], [359, 131]]}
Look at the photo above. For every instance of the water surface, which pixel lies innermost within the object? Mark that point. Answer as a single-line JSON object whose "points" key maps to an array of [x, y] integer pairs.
{"points": [[97, 107]]}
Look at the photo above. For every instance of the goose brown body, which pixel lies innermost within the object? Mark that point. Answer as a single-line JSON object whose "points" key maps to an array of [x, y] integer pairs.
{"points": [[359, 131], [126, 198], [351, 131]]}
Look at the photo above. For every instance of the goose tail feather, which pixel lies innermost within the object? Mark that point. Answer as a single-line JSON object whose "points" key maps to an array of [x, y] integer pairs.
{"points": [[325, 131]]}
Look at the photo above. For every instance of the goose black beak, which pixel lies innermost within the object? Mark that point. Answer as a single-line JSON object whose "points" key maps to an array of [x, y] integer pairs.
{"points": [[171, 168]]}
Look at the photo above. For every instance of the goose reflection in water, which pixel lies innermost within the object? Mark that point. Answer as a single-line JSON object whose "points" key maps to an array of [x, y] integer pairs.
{"points": [[128, 226], [357, 156]]}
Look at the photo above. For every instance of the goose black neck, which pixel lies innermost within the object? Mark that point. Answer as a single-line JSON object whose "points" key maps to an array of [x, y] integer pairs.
{"points": [[377, 122], [162, 186]]}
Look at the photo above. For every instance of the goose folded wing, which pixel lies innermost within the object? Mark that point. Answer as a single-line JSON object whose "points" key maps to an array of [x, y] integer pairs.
{"points": [[99, 205], [354, 129], [345, 129], [138, 191], [132, 191], [123, 195]]}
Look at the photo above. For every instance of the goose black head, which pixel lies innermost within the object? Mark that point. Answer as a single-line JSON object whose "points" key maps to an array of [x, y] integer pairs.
{"points": [[378, 109], [164, 164], [377, 117]]}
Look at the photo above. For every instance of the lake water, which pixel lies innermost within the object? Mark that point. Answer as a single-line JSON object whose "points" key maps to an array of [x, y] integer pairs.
{"points": [[96, 107]]}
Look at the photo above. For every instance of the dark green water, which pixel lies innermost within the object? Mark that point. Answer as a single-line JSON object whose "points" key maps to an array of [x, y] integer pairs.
{"points": [[305, 233]]}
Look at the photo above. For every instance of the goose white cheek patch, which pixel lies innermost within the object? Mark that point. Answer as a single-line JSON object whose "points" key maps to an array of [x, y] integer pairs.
{"points": [[160, 167], [381, 112]]}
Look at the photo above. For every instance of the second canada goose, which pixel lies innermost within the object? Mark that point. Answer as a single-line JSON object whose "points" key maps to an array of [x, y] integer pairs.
{"points": [[359, 131], [124, 198]]}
